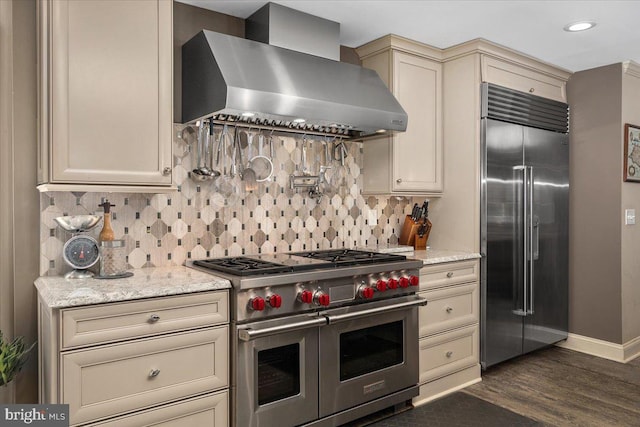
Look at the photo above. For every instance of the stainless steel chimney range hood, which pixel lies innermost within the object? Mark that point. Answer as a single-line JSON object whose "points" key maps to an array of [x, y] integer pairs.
{"points": [[247, 82]]}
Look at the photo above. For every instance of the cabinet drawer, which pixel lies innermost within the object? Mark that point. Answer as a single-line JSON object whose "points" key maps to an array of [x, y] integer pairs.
{"points": [[524, 79], [449, 308], [107, 323], [439, 275], [110, 380], [449, 352], [211, 410]]}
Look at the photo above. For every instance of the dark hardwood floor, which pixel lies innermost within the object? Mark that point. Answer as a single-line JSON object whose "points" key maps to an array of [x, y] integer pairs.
{"points": [[560, 387]]}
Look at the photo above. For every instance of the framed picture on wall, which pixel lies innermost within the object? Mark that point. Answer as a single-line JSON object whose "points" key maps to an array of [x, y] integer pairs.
{"points": [[631, 153]]}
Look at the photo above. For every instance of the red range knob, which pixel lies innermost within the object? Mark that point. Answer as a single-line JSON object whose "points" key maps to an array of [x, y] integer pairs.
{"points": [[393, 283], [404, 282], [256, 303], [414, 280], [381, 285], [366, 292], [306, 297], [275, 301], [321, 298]]}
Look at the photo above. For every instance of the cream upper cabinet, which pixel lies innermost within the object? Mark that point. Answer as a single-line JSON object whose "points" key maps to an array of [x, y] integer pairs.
{"points": [[409, 162], [518, 76], [105, 92]]}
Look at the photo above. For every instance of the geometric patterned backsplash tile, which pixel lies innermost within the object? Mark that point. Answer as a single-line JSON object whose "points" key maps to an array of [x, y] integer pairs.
{"points": [[198, 222]]}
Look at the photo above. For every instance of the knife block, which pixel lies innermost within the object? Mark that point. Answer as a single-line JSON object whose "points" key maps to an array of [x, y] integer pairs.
{"points": [[409, 233], [421, 242]]}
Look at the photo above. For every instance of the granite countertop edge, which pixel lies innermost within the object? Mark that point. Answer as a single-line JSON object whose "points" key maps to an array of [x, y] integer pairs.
{"points": [[57, 292], [428, 257], [437, 256]]}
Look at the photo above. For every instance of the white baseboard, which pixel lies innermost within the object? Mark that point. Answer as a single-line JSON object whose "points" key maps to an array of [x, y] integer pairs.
{"points": [[631, 349], [622, 353]]}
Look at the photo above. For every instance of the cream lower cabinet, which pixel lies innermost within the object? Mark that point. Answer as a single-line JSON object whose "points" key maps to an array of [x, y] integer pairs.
{"points": [[449, 332], [105, 94], [408, 162], [161, 361]]}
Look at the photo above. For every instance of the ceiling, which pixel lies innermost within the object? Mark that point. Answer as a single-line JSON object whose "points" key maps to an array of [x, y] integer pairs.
{"points": [[531, 27]]}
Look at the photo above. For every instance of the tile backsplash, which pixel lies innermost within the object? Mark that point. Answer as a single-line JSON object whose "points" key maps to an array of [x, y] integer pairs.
{"points": [[197, 221]]}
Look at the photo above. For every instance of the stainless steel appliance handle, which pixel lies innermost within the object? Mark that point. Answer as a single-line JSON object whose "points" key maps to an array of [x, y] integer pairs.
{"points": [[536, 239], [532, 256], [525, 251], [249, 334], [335, 318]]}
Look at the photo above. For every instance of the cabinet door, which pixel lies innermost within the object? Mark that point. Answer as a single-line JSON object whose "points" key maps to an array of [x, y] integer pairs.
{"points": [[105, 323], [519, 77], [417, 153], [446, 353], [106, 381], [110, 91], [448, 308], [210, 410]]}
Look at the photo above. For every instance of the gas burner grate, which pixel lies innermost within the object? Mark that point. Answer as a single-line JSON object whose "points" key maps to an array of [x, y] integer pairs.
{"points": [[345, 257], [243, 266]]}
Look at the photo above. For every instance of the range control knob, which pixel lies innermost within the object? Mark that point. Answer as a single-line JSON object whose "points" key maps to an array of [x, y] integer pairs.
{"points": [[256, 303], [274, 300], [305, 297], [404, 282], [381, 285], [365, 292], [320, 298], [393, 283], [414, 280]]}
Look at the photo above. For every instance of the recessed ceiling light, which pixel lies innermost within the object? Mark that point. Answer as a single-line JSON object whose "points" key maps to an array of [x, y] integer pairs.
{"points": [[579, 26], [248, 114], [299, 120]]}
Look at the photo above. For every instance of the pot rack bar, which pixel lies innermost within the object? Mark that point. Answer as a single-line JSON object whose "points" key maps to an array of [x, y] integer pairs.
{"points": [[288, 127]]}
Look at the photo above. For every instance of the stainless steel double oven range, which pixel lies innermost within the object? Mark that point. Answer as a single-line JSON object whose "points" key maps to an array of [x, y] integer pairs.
{"points": [[320, 338]]}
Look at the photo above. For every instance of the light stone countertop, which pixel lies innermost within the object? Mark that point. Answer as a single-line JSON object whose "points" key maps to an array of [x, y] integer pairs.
{"points": [[386, 248], [437, 256], [58, 292], [428, 256]]}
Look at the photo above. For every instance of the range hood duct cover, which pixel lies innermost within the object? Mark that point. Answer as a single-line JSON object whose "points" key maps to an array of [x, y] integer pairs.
{"points": [[226, 75], [292, 29]]}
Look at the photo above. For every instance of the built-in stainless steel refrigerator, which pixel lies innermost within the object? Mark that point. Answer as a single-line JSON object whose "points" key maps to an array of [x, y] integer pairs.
{"points": [[524, 223]]}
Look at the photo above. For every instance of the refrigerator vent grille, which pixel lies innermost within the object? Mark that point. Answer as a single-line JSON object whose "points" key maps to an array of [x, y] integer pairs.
{"points": [[525, 109]]}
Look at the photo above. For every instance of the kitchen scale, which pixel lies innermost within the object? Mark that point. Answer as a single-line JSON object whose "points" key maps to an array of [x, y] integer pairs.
{"points": [[81, 251]]}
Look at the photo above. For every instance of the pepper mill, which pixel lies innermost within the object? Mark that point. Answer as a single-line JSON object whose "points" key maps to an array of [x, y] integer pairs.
{"points": [[106, 234]]}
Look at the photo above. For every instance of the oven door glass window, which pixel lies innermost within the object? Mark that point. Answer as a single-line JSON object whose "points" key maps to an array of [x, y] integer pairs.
{"points": [[278, 373], [371, 349]]}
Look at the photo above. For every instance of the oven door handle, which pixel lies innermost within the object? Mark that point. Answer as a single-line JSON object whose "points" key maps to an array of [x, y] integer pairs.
{"points": [[335, 318], [249, 334]]}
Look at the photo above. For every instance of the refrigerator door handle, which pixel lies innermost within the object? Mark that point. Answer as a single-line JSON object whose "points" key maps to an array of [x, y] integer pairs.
{"points": [[536, 238], [533, 243], [525, 246]]}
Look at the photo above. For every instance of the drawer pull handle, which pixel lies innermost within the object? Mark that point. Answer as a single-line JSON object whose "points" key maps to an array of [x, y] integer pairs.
{"points": [[450, 274], [532, 90], [399, 180], [154, 318], [154, 373], [449, 309], [449, 354]]}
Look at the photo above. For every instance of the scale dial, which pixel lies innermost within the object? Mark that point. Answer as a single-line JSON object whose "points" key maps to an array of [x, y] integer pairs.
{"points": [[81, 252]]}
